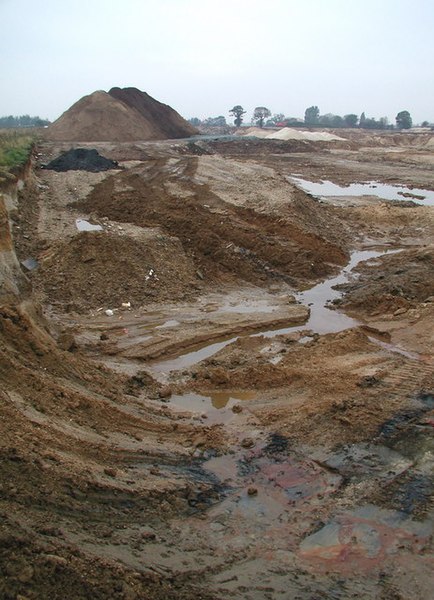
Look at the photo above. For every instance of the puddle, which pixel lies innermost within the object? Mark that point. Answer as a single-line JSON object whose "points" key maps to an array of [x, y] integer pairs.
{"points": [[270, 481], [218, 400], [190, 358], [83, 225], [249, 308], [169, 323], [396, 349], [363, 538], [323, 320], [385, 191]]}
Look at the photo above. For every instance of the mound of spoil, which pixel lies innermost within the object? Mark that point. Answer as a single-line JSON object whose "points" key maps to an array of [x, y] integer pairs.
{"points": [[227, 243], [121, 115], [101, 269], [403, 281], [81, 159]]}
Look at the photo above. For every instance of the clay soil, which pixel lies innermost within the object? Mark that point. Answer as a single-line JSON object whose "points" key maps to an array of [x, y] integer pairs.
{"points": [[176, 422]]}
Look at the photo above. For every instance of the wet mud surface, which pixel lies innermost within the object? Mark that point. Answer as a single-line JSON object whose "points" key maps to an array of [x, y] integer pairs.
{"points": [[218, 386]]}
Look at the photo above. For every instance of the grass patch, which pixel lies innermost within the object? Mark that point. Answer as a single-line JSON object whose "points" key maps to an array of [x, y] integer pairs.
{"points": [[15, 148]]}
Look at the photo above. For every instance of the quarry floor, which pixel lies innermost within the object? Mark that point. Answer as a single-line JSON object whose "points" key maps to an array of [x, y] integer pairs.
{"points": [[182, 416]]}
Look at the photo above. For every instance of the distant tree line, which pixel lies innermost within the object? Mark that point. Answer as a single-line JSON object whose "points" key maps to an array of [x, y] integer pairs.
{"points": [[312, 118], [22, 121]]}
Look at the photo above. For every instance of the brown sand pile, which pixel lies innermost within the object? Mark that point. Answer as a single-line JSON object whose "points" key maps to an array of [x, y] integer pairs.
{"points": [[121, 115]]}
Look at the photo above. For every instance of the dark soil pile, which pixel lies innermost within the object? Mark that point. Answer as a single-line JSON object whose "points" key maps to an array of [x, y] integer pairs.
{"points": [[168, 123], [81, 159], [121, 115], [96, 270]]}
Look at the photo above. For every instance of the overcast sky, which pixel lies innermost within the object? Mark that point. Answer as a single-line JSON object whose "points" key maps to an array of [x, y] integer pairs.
{"points": [[204, 56]]}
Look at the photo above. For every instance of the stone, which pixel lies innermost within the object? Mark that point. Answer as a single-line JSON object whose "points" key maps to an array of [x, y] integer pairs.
{"points": [[110, 472], [66, 341], [25, 574], [218, 376], [164, 392]]}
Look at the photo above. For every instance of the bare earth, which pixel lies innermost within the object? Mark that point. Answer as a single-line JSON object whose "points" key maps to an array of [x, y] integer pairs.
{"points": [[218, 433]]}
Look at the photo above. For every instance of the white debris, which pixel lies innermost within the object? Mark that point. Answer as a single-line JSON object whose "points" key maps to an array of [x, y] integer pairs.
{"points": [[152, 274], [109, 312]]}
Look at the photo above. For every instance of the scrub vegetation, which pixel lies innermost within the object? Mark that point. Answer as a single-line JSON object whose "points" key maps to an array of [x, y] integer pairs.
{"points": [[15, 148]]}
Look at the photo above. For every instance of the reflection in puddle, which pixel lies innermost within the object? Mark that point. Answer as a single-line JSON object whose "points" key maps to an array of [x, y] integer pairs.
{"points": [[83, 225], [324, 189]]}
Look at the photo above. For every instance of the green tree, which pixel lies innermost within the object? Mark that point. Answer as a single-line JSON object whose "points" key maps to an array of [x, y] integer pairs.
{"points": [[362, 120], [260, 114], [238, 112], [403, 120], [219, 121], [351, 120], [294, 122], [330, 120], [195, 121], [311, 115], [325, 120]]}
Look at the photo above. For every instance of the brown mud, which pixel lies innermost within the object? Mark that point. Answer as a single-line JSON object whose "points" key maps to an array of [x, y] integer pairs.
{"points": [[179, 419]]}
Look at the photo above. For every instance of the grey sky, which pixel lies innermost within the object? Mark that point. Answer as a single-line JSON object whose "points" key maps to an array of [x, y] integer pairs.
{"points": [[204, 56]]}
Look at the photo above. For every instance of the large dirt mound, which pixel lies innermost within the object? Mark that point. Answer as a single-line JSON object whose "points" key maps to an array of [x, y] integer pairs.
{"points": [[167, 123], [121, 115], [81, 159]]}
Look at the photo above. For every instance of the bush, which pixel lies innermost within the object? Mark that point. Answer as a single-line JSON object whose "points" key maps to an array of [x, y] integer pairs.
{"points": [[15, 149]]}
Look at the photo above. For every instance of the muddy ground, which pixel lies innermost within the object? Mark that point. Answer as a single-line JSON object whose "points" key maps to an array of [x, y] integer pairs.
{"points": [[199, 398]]}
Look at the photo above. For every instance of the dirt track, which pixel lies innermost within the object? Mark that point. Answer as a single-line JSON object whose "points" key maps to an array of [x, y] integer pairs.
{"points": [[217, 433]]}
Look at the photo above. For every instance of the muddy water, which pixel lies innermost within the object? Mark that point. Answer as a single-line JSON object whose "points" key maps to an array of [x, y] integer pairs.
{"points": [[83, 225], [325, 189], [217, 399], [191, 358], [322, 320], [281, 500]]}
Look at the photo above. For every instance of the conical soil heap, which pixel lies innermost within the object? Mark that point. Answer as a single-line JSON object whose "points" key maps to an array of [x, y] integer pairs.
{"points": [[121, 115]]}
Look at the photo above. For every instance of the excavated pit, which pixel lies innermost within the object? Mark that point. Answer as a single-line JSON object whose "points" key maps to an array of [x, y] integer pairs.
{"points": [[287, 450]]}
